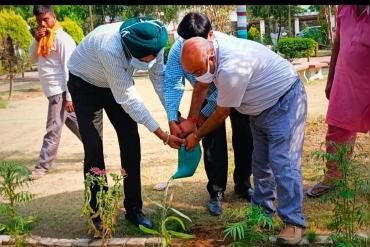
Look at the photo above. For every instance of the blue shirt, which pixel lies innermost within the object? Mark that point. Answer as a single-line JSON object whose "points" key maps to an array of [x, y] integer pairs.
{"points": [[174, 84]]}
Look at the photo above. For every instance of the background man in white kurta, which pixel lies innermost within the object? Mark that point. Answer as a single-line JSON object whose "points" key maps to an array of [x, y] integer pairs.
{"points": [[51, 49]]}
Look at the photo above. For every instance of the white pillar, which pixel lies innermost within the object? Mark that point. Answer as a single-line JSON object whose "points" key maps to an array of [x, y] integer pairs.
{"points": [[241, 11], [262, 28], [296, 26]]}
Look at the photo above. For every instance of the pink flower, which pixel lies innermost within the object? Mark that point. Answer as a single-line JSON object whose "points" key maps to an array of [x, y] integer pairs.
{"points": [[123, 172], [98, 172]]}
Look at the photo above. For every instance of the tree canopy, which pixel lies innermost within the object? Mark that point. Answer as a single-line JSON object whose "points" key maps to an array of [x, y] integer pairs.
{"points": [[16, 28]]}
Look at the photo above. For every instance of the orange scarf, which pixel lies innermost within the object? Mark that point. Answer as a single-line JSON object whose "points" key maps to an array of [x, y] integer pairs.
{"points": [[47, 42]]}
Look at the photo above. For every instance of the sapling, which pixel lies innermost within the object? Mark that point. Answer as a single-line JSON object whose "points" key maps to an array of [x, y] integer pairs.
{"points": [[108, 201], [163, 230], [13, 178], [350, 208]]}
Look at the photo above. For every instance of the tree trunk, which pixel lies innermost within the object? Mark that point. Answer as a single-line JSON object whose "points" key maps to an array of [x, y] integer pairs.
{"points": [[328, 10], [279, 32], [91, 18], [10, 79], [22, 70], [289, 22]]}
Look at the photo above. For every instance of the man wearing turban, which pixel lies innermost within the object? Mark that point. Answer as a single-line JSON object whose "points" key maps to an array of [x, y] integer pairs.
{"points": [[101, 70]]}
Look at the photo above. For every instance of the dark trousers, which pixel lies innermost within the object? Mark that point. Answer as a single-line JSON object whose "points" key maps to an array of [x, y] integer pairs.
{"points": [[216, 157], [88, 101]]}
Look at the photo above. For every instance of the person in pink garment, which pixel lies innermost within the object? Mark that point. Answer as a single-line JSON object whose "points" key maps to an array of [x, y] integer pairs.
{"points": [[348, 86]]}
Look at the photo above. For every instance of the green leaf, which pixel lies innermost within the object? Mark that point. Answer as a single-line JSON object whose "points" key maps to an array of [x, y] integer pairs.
{"points": [[5, 209], [174, 218], [181, 235], [234, 230], [236, 244], [2, 227], [156, 203], [148, 230], [167, 237], [181, 214]]}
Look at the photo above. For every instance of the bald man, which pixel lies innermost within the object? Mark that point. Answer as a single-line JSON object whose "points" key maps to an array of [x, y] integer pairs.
{"points": [[258, 82], [215, 148]]}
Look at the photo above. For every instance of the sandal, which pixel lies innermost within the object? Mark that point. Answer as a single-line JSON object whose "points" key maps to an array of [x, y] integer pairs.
{"points": [[318, 190]]}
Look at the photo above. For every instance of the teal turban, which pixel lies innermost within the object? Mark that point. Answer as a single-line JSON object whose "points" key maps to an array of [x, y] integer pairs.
{"points": [[143, 36]]}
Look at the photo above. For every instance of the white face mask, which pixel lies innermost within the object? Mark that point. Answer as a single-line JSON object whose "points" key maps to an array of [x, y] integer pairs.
{"points": [[206, 77], [141, 65]]}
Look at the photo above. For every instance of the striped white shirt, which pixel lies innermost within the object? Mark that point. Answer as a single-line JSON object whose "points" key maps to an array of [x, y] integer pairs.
{"points": [[100, 60]]}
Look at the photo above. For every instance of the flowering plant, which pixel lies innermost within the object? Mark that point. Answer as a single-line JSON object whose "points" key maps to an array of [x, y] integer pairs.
{"points": [[107, 199]]}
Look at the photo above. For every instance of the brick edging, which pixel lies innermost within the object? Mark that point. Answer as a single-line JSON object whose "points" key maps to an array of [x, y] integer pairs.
{"points": [[37, 241]]}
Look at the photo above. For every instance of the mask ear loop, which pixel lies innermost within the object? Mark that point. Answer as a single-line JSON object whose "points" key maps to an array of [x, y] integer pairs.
{"points": [[123, 34]]}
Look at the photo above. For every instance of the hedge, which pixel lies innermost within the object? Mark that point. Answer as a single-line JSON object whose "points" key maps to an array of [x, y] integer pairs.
{"points": [[73, 29], [296, 47], [14, 26]]}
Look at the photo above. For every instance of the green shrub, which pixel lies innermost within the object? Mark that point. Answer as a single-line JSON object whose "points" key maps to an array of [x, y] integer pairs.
{"points": [[33, 24], [15, 38], [73, 29], [350, 195], [16, 28], [167, 49], [254, 34], [312, 237], [165, 231], [248, 231], [266, 39], [13, 178], [108, 201], [296, 47]]}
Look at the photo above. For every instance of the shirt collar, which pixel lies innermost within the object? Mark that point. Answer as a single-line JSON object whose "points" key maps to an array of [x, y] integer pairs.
{"points": [[217, 49]]}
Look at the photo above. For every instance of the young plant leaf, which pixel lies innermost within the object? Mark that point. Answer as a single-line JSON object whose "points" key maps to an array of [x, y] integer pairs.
{"points": [[181, 214], [148, 230]]}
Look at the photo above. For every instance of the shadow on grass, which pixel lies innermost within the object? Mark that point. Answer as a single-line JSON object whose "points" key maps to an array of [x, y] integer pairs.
{"points": [[30, 160], [60, 214]]}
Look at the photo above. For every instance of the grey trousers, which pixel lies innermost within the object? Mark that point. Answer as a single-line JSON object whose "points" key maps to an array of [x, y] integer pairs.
{"points": [[57, 117]]}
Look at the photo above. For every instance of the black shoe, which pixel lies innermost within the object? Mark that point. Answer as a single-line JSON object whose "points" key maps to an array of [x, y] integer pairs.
{"points": [[215, 205], [245, 193], [99, 229], [137, 217]]}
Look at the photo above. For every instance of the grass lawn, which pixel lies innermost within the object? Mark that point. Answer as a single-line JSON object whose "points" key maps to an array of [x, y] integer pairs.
{"points": [[60, 215]]}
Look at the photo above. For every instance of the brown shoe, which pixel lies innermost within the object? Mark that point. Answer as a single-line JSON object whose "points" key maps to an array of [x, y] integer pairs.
{"points": [[290, 235]]}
